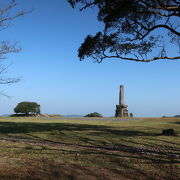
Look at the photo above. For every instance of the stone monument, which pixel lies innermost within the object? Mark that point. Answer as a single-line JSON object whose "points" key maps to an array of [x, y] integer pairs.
{"points": [[121, 108]]}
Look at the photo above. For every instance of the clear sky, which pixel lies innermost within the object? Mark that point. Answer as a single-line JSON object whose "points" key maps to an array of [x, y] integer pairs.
{"points": [[52, 75]]}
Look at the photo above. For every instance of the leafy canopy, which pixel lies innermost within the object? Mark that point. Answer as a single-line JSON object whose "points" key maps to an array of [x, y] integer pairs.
{"points": [[133, 29], [27, 107]]}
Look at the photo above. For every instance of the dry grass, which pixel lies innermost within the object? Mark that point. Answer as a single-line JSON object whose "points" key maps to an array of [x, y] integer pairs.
{"points": [[85, 148]]}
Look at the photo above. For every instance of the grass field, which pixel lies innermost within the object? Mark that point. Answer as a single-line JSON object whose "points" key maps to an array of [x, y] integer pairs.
{"points": [[87, 148]]}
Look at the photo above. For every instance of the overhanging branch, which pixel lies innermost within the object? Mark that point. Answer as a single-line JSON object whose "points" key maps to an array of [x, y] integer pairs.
{"points": [[140, 60], [163, 26]]}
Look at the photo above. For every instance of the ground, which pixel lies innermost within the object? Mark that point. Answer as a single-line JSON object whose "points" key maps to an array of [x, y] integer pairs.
{"points": [[89, 148]]}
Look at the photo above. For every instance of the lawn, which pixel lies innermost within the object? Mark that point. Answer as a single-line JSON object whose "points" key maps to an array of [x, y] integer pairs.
{"points": [[87, 148]]}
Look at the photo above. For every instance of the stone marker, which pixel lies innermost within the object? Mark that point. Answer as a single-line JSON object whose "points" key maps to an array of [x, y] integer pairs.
{"points": [[131, 115], [121, 95], [169, 132], [121, 108]]}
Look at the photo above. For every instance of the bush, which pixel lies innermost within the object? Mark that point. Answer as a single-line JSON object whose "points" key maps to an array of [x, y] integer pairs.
{"points": [[94, 114], [27, 108]]}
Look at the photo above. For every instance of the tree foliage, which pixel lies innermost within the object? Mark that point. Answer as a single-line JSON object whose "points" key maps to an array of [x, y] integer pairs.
{"points": [[7, 15], [27, 108], [94, 114], [133, 29]]}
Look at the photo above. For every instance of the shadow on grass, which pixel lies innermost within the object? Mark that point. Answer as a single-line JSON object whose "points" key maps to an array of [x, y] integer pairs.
{"points": [[116, 154], [24, 128], [177, 122]]}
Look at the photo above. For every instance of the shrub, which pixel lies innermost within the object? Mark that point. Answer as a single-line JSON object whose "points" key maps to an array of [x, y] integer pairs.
{"points": [[94, 114], [27, 108]]}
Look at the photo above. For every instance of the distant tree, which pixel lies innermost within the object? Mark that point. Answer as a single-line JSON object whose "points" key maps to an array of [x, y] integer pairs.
{"points": [[27, 108], [132, 30], [7, 15], [94, 114]]}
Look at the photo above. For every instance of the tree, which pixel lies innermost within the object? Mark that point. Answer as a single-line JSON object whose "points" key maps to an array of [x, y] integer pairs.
{"points": [[133, 30], [94, 114], [27, 108], [6, 47]]}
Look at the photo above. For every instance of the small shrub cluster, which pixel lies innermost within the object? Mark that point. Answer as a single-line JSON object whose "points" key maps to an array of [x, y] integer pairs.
{"points": [[94, 114]]}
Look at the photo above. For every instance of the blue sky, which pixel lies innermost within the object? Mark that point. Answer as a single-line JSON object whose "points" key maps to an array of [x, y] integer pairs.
{"points": [[53, 76]]}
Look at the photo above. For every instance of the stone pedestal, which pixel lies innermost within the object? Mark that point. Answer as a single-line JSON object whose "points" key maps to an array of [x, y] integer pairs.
{"points": [[121, 111]]}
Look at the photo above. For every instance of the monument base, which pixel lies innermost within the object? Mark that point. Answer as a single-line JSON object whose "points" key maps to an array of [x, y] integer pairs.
{"points": [[121, 111]]}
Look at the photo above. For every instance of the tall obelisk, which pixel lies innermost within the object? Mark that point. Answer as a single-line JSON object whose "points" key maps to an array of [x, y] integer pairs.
{"points": [[121, 95], [121, 108]]}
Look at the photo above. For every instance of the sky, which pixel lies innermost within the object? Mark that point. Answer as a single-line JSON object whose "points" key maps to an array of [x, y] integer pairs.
{"points": [[52, 75]]}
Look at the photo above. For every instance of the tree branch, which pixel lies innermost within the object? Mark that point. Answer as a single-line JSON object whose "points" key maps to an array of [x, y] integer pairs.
{"points": [[163, 26], [142, 60], [88, 5]]}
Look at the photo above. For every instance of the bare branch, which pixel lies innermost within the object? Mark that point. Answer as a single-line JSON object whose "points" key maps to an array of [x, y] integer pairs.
{"points": [[3, 94], [7, 47]]}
